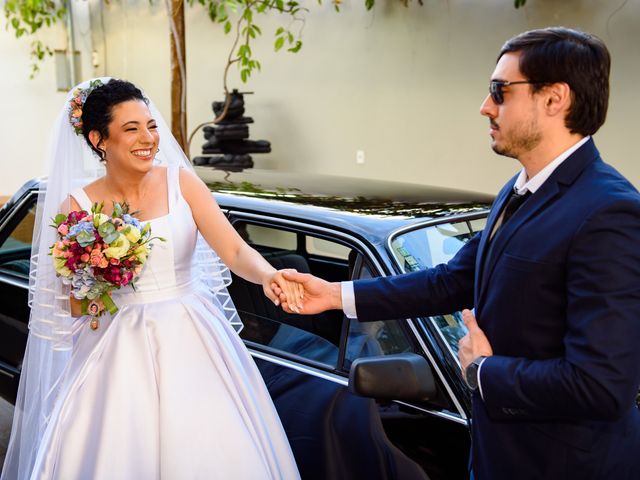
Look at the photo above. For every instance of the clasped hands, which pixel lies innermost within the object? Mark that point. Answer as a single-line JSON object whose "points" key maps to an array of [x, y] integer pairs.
{"points": [[303, 293]]}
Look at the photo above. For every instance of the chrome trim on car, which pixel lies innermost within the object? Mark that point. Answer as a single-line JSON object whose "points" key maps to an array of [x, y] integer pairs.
{"points": [[17, 208], [8, 374], [4, 278], [332, 377], [431, 223], [308, 227], [449, 416], [10, 279], [435, 364]]}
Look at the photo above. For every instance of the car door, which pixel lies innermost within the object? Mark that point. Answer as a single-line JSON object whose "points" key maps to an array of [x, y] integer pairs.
{"points": [[305, 361], [16, 230]]}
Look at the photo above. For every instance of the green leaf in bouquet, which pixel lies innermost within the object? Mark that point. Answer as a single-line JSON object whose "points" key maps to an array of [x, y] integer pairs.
{"points": [[106, 229], [97, 207], [85, 238], [111, 237], [58, 219], [117, 210], [146, 229]]}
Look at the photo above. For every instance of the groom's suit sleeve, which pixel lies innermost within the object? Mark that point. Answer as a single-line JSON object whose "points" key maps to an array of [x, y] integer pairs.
{"points": [[443, 289]]}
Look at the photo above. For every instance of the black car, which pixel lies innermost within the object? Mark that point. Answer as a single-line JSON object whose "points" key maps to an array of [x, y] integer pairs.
{"points": [[357, 400]]}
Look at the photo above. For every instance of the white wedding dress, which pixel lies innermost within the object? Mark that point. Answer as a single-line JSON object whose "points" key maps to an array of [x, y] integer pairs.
{"points": [[165, 388]]}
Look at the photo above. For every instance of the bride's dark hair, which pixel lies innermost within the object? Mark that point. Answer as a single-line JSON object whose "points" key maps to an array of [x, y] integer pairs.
{"points": [[98, 107]]}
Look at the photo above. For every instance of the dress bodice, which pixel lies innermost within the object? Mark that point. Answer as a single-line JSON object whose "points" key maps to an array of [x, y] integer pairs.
{"points": [[170, 262]]}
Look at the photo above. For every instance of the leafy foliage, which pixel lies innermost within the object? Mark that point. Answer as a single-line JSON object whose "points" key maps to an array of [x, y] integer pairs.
{"points": [[26, 17], [244, 14]]}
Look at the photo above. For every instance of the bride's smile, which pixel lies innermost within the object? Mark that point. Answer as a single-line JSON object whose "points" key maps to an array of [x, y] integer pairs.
{"points": [[133, 138]]}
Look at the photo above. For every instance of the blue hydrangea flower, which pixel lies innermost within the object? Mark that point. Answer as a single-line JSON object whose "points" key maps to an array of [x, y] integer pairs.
{"points": [[80, 227], [82, 282], [132, 221]]}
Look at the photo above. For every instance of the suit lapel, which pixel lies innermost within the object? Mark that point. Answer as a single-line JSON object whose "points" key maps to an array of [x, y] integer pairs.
{"points": [[494, 213], [546, 194], [549, 192]]}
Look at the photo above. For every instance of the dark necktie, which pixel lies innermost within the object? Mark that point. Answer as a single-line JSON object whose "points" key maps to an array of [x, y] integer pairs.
{"points": [[514, 202]]}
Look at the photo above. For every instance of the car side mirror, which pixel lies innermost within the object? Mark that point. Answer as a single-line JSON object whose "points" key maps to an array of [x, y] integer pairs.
{"points": [[404, 376]]}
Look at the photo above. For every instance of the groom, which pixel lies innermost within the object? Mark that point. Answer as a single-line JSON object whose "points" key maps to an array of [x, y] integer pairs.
{"points": [[553, 358]]}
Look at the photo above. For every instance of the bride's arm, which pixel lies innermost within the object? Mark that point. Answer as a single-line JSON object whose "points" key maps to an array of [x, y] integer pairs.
{"points": [[236, 254]]}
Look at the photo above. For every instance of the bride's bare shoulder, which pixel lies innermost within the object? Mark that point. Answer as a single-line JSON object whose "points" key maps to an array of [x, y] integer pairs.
{"points": [[161, 171]]}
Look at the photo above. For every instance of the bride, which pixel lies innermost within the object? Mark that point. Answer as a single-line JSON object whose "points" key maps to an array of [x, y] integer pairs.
{"points": [[164, 388]]}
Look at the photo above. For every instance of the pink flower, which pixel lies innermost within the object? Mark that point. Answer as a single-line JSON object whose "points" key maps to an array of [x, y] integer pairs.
{"points": [[85, 257], [63, 229]]}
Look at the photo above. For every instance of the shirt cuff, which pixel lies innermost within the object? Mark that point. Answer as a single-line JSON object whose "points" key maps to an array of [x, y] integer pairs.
{"points": [[479, 382], [348, 299]]}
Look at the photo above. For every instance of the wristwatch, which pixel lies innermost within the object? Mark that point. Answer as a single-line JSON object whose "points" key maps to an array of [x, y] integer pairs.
{"points": [[471, 374]]}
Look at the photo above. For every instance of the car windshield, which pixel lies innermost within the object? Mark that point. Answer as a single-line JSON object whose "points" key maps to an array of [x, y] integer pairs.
{"points": [[425, 247]]}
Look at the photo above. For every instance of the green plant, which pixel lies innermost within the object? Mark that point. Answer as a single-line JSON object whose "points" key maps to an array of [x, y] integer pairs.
{"points": [[26, 17], [246, 29]]}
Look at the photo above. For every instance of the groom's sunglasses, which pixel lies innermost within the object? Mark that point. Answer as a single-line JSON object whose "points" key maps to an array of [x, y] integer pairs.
{"points": [[496, 86]]}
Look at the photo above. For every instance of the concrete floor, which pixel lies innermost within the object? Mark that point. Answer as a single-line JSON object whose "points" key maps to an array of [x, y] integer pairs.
{"points": [[6, 414]]}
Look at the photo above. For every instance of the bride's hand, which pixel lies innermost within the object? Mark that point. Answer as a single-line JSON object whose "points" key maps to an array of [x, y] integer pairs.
{"points": [[292, 290]]}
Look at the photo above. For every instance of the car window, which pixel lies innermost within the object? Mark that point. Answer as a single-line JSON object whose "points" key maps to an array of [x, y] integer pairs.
{"points": [[15, 249], [314, 338], [327, 248], [367, 339], [429, 246]]}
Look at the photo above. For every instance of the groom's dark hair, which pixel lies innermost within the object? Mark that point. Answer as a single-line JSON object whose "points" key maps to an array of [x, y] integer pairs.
{"points": [[98, 107], [579, 59]]}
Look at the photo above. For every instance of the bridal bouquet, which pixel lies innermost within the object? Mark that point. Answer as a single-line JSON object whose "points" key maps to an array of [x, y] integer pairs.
{"points": [[97, 254]]}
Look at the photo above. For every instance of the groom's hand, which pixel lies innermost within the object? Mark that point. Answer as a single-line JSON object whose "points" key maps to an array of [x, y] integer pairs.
{"points": [[319, 295], [474, 344]]}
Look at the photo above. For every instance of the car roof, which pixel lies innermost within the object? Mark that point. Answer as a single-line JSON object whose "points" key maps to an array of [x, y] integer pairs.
{"points": [[370, 207]]}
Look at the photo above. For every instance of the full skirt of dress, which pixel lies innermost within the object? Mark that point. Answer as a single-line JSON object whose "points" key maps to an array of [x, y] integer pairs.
{"points": [[164, 389]]}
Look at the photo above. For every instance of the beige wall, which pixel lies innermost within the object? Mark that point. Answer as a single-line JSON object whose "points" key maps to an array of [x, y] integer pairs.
{"points": [[402, 84], [27, 110]]}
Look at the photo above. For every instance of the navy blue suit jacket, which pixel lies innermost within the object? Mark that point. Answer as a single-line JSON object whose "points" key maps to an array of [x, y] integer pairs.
{"points": [[559, 300]]}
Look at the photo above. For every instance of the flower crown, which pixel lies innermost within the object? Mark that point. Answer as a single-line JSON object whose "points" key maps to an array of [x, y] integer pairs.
{"points": [[77, 102]]}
